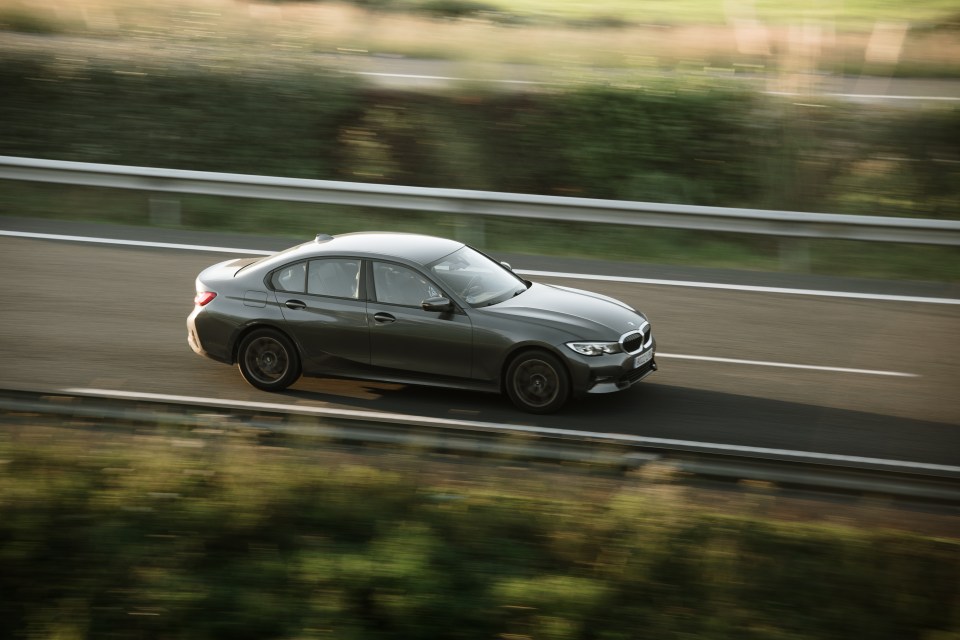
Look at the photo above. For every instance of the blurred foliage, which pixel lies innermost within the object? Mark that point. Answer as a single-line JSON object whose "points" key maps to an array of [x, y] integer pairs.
{"points": [[21, 19], [858, 12], [455, 8], [684, 145], [668, 141], [229, 120], [182, 536], [927, 149]]}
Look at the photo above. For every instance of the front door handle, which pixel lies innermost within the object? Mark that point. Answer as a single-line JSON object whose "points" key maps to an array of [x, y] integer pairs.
{"points": [[295, 304], [383, 318]]}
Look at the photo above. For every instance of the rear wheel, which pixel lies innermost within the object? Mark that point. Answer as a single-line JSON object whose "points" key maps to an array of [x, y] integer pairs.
{"points": [[537, 382], [268, 360]]}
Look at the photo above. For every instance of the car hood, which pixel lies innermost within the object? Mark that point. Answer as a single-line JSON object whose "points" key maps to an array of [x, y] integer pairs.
{"points": [[586, 315]]}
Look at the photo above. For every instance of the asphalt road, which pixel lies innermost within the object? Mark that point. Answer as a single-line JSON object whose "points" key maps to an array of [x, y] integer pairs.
{"points": [[112, 317]]}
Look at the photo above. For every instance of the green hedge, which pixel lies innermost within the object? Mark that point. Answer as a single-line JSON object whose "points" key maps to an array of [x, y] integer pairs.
{"points": [[105, 536], [230, 121]]}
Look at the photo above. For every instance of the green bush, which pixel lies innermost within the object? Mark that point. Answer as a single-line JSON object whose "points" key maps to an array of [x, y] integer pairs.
{"points": [[14, 17], [682, 146], [156, 537], [455, 8], [280, 124]]}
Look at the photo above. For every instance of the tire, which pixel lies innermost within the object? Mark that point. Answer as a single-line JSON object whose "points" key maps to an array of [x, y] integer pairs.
{"points": [[268, 360], [537, 382]]}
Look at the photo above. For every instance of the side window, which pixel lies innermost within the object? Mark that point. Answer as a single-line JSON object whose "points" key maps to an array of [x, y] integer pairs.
{"points": [[291, 278], [337, 277], [396, 284]]}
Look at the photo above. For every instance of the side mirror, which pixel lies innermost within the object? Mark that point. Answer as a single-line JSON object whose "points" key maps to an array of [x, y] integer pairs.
{"points": [[506, 265], [437, 304]]}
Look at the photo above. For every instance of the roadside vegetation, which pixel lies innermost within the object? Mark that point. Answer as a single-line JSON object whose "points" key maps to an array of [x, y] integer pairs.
{"points": [[568, 36], [208, 535], [680, 140]]}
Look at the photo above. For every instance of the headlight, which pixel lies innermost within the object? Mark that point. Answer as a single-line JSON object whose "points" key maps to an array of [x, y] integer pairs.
{"points": [[595, 348]]}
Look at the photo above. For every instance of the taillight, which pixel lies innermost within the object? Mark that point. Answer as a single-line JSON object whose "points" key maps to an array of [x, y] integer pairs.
{"points": [[203, 297]]}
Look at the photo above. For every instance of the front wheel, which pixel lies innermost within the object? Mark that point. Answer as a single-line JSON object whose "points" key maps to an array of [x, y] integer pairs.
{"points": [[268, 360], [537, 382]]}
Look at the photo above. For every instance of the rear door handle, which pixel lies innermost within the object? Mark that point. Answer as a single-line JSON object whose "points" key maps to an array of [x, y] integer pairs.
{"points": [[295, 304], [383, 318]]}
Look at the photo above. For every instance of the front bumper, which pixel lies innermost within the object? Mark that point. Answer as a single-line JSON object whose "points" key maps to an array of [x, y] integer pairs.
{"points": [[609, 384], [609, 373]]}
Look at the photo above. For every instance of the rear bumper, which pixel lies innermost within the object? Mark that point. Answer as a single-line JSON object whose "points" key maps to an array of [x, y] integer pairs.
{"points": [[198, 323]]}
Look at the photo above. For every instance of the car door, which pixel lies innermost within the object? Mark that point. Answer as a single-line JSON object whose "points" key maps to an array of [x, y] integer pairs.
{"points": [[323, 306], [404, 336]]}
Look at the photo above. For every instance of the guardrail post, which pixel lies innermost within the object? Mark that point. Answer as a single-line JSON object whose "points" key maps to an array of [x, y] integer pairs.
{"points": [[471, 230], [795, 255], [164, 212]]}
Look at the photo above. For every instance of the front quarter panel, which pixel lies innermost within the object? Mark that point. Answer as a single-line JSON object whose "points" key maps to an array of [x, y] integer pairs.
{"points": [[496, 338], [502, 332]]}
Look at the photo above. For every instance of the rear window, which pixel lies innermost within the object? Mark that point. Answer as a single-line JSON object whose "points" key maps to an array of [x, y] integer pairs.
{"points": [[291, 278]]}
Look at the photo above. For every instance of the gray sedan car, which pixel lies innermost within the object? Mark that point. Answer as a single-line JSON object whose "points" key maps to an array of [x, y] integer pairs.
{"points": [[419, 310]]}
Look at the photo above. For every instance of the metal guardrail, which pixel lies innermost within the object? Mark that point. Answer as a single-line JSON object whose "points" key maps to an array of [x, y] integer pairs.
{"points": [[486, 203], [324, 427]]}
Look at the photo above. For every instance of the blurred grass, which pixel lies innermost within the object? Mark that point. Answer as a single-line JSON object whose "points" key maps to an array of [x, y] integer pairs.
{"points": [[574, 12], [504, 235], [563, 36], [849, 12], [162, 535]]}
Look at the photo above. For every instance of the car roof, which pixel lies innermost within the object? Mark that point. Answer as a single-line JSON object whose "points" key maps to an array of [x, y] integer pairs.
{"points": [[413, 247]]}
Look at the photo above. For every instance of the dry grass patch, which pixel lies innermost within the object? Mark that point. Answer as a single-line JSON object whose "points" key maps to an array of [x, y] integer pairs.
{"points": [[671, 41]]}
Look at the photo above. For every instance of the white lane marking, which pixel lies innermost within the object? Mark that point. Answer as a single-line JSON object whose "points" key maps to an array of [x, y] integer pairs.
{"points": [[786, 365], [868, 96], [413, 76], [743, 287], [132, 243], [543, 274], [492, 426]]}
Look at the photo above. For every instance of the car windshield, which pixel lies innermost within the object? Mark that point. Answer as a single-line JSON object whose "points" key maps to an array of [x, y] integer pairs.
{"points": [[476, 278]]}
